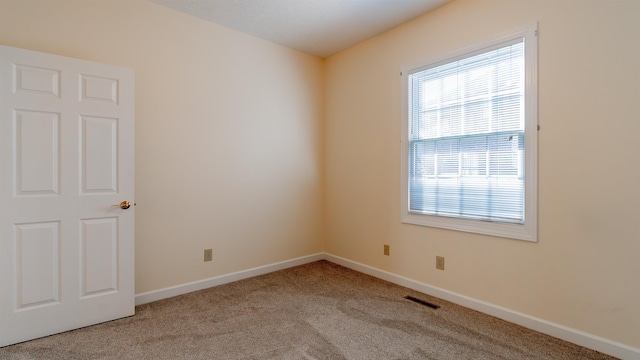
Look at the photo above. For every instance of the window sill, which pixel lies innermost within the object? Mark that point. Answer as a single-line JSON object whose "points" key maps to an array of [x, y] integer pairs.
{"points": [[511, 231]]}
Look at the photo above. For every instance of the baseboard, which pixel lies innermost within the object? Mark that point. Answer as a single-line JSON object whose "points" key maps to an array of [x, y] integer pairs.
{"points": [[578, 337], [172, 291]]}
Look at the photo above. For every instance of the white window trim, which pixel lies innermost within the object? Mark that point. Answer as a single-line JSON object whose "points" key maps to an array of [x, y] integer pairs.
{"points": [[528, 230]]}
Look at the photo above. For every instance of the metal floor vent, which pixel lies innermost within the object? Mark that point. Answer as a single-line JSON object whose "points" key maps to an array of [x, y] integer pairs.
{"points": [[422, 302]]}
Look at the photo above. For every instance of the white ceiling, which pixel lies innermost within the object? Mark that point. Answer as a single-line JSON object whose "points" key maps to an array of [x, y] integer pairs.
{"points": [[317, 27]]}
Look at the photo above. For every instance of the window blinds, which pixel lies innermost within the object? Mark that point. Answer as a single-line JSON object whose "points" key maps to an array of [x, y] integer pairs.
{"points": [[466, 136]]}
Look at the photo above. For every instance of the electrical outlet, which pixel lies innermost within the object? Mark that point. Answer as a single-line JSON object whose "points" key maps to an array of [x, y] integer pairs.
{"points": [[386, 250], [208, 254], [440, 262]]}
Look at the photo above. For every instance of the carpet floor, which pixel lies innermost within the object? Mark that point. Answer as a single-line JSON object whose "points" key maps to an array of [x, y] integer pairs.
{"points": [[314, 311]]}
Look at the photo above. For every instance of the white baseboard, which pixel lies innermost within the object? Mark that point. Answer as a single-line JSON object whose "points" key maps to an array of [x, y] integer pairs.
{"points": [[172, 291], [578, 337]]}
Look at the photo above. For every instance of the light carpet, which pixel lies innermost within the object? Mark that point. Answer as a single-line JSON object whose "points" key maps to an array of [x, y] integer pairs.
{"points": [[314, 311]]}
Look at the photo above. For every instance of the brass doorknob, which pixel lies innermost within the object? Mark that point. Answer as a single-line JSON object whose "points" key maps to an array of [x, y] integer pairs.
{"points": [[125, 205]]}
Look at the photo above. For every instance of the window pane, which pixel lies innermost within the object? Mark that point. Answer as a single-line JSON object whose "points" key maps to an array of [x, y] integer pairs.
{"points": [[504, 155], [447, 157], [474, 157], [423, 159], [477, 117], [450, 121], [507, 113]]}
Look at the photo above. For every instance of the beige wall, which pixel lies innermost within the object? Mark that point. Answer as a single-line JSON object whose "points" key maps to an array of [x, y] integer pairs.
{"points": [[583, 272], [228, 132]]}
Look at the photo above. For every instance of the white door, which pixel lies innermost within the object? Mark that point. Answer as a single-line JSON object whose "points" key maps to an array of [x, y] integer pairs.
{"points": [[66, 158]]}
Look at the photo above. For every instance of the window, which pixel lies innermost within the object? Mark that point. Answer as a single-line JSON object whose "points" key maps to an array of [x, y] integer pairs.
{"points": [[469, 141]]}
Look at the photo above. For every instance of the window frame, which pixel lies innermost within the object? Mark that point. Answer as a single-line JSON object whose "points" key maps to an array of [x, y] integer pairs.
{"points": [[528, 230]]}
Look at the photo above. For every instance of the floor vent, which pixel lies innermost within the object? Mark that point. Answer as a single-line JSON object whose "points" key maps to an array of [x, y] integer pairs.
{"points": [[422, 302]]}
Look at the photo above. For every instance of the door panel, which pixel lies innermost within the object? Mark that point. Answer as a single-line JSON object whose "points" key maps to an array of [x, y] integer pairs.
{"points": [[37, 152], [36, 80], [98, 89], [99, 140], [99, 256], [66, 158], [38, 269]]}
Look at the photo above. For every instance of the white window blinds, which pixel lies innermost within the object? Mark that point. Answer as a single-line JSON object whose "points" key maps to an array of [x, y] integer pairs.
{"points": [[466, 136]]}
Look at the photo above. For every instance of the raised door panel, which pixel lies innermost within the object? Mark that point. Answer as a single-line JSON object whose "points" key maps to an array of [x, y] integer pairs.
{"points": [[36, 153], [37, 272], [36, 80], [96, 88], [99, 256], [99, 167]]}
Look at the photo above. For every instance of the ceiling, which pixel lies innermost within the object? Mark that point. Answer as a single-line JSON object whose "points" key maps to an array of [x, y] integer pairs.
{"points": [[317, 27]]}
